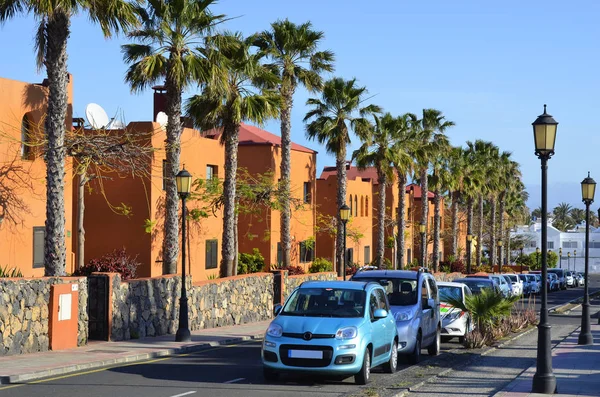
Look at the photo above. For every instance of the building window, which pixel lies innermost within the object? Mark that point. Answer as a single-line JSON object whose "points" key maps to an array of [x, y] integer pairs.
{"points": [[39, 234], [408, 256], [307, 195], [26, 138], [550, 245], [594, 244], [211, 254], [350, 256], [367, 255], [212, 172], [367, 206], [351, 212], [362, 206], [307, 251], [355, 205], [279, 254], [533, 244], [164, 174], [569, 244]]}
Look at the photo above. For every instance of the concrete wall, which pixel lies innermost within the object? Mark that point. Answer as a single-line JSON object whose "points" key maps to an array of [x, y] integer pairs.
{"points": [[24, 313]]}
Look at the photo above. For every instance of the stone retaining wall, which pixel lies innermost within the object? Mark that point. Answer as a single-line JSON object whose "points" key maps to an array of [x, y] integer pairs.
{"points": [[292, 282], [24, 313]]}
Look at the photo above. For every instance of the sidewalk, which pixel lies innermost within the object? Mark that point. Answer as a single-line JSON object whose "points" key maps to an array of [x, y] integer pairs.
{"points": [[27, 367], [577, 369]]}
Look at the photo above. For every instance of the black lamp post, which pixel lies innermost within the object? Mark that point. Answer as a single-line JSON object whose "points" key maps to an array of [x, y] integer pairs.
{"points": [[544, 134], [184, 185], [537, 256], [588, 188], [568, 260], [469, 240], [560, 257], [422, 230], [344, 216], [522, 259], [574, 260], [499, 244]]}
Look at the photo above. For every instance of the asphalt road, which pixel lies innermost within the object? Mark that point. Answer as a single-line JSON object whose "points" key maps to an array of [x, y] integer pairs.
{"points": [[223, 371]]}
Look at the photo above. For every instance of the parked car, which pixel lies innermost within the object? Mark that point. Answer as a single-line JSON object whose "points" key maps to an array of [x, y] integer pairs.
{"points": [[554, 282], [560, 274], [455, 322], [580, 279], [571, 279], [517, 284], [415, 304], [510, 287], [332, 328], [503, 284], [477, 284], [534, 286], [526, 284], [538, 279], [484, 276]]}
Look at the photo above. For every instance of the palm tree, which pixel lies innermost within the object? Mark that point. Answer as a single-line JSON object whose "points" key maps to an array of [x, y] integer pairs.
{"points": [[439, 181], [329, 122], [432, 137], [473, 178], [493, 188], [509, 173], [577, 215], [562, 217], [172, 49], [376, 151], [293, 51], [455, 173], [404, 141], [53, 31], [537, 212], [226, 107]]}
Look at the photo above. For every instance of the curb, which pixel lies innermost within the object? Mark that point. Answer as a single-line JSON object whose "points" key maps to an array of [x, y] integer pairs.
{"points": [[560, 307], [487, 351], [69, 369]]}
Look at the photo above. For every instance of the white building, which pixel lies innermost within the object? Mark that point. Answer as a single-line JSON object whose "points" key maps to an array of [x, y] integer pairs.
{"points": [[572, 242]]}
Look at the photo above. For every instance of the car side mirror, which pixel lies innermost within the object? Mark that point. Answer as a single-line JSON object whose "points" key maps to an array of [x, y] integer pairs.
{"points": [[380, 313], [277, 309], [431, 303]]}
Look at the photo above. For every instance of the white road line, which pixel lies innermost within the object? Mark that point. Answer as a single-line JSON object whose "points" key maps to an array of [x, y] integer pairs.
{"points": [[232, 381], [184, 394]]}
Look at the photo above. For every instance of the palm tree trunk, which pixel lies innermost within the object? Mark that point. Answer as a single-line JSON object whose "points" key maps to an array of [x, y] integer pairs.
{"points": [[173, 149], [55, 250], [231, 140], [340, 163], [501, 227], [493, 246], [469, 232], [479, 231], [455, 199], [83, 180], [382, 181], [236, 248], [401, 221], [424, 214], [437, 200], [507, 247], [285, 169]]}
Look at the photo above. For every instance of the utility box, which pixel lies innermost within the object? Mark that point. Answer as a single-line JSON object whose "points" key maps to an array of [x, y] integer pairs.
{"points": [[64, 316]]}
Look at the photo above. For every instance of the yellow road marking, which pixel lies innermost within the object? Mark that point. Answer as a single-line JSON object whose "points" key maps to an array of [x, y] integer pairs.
{"points": [[123, 365]]}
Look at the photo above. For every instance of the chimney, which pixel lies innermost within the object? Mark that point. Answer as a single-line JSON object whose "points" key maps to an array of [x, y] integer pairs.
{"points": [[160, 100]]}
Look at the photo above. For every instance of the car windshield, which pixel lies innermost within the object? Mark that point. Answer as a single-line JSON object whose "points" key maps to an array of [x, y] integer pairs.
{"points": [[523, 277], [400, 291], [531, 278], [448, 292], [325, 302], [512, 278], [497, 279], [477, 285]]}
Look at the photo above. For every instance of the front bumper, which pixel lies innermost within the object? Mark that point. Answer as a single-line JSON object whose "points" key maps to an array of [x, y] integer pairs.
{"points": [[407, 335]]}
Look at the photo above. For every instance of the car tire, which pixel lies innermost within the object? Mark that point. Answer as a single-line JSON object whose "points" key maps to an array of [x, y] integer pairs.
{"points": [[434, 348], [269, 374], [392, 365], [415, 356], [364, 375]]}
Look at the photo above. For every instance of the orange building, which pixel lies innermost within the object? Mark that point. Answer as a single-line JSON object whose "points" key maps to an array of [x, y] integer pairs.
{"points": [[260, 154], [359, 230], [22, 177]]}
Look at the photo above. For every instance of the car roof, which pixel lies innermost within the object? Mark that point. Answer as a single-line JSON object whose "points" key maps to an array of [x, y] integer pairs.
{"points": [[355, 285], [450, 284], [387, 274], [474, 279]]}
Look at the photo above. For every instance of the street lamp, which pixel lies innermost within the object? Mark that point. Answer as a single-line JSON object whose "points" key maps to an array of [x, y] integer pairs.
{"points": [[344, 216], [522, 259], [544, 135], [499, 244], [568, 260], [560, 257], [588, 188], [574, 260], [184, 185], [537, 256], [469, 240], [422, 229]]}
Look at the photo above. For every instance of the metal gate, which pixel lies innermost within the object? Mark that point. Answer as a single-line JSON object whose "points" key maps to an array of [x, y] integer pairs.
{"points": [[277, 282], [98, 307]]}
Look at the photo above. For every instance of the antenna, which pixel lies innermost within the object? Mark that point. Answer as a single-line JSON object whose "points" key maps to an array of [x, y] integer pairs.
{"points": [[96, 116], [162, 119], [115, 124]]}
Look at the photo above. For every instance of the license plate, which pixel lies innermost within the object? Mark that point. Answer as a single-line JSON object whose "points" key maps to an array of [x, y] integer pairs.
{"points": [[314, 354]]}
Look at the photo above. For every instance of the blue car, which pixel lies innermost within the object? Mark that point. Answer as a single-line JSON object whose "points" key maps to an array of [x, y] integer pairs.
{"points": [[332, 328]]}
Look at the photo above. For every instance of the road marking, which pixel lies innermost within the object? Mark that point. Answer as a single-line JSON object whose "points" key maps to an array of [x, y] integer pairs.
{"points": [[184, 394], [234, 380]]}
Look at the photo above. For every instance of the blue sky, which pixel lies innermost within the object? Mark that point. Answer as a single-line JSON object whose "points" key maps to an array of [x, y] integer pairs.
{"points": [[489, 66]]}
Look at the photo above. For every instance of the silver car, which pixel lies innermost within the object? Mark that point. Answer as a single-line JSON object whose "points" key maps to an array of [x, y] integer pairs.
{"points": [[504, 286], [517, 284]]}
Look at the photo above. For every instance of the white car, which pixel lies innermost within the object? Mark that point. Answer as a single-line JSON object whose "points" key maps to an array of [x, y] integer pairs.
{"points": [[455, 322], [570, 279], [517, 284]]}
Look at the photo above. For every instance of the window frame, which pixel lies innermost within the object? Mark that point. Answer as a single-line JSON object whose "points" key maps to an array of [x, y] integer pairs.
{"points": [[307, 193], [214, 254], [303, 252], [33, 259]]}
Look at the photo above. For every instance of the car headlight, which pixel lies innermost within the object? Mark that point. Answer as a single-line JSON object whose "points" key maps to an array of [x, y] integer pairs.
{"points": [[453, 315], [404, 316], [346, 333], [274, 330]]}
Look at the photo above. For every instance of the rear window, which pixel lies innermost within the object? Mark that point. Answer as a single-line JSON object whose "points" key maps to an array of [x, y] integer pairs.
{"points": [[446, 292], [512, 277], [400, 291], [476, 286], [325, 302]]}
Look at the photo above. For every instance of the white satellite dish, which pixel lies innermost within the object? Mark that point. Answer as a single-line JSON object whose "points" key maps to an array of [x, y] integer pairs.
{"points": [[115, 124], [162, 119], [96, 116]]}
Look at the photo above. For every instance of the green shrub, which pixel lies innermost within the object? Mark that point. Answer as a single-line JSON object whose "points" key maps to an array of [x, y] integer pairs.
{"points": [[320, 265], [10, 273], [251, 263]]}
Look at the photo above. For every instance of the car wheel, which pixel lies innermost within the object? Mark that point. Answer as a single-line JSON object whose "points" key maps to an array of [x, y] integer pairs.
{"points": [[415, 356], [391, 366], [434, 348], [362, 378], [269, 374]]}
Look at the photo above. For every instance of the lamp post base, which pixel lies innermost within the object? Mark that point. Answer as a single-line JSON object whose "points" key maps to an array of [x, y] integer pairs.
{"points": [[545, 384], [585, 335], [183, 335]]}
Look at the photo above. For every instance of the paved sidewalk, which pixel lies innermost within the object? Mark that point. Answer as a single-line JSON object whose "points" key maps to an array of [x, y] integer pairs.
{"points": [[33, 366], [577, 369]]}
